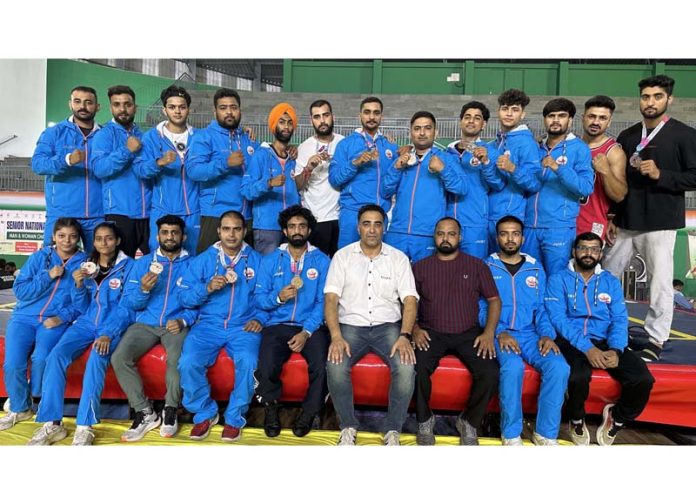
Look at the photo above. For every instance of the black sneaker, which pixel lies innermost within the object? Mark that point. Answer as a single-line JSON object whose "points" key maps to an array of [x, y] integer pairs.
{"points": [[170, 425], [271, 422], [303, 424], [651, 352]]}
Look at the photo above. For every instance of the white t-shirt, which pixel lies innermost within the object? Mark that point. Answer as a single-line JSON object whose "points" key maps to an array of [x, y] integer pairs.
{"points": [[318, 195]]}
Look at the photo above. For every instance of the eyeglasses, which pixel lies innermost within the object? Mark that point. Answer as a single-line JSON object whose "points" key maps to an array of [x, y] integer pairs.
{"points": [[584, 248]]}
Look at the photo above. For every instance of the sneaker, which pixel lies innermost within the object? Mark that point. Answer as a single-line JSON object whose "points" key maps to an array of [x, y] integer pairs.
{"points": [[142, 424], [170, 425], [48, 434], [303, 424], [6, 405], [606, 433], [579, 434], [201, 430], [651, 352], [231, 434], [540, 440], [391, 438], [516, 441], [12, 418], [84, 436], [271, 420], [347, 437], [467, 432], [425, 436]]}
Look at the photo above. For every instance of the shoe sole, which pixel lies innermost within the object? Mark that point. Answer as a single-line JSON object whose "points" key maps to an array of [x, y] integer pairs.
{"points": [[462, 440], [600, 429], [133, 440], [167, 436], [213, 423], [232, 440]]}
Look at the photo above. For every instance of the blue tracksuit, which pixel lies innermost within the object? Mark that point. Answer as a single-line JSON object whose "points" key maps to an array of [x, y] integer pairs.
{"points": [[471, 209], [102, 315], [524, 318], [585, 311], [551, 211], [359, 185], [71, 191], [173, 191], [524, 153], [269, 201], [306, 310], [206, 163], [123, 192], [421, 200], [222, 317], [38, 298], [162, 303]]}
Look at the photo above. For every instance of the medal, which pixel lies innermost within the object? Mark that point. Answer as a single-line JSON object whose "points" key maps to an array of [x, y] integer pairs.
{"points": [[156, 268], [89, 267], [412, 159], [296, 282], [474, 161], [635, 160], [296, 268], [231, 275]]}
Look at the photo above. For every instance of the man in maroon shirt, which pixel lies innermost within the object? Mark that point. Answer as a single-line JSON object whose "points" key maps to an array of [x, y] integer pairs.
{"points": [[450, 284]]}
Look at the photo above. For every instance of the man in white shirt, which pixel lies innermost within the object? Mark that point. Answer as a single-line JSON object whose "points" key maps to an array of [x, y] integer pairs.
{"points": [[367, 282], [312, 177]]}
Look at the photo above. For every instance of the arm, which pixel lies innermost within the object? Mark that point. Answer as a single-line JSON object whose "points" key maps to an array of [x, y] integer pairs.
{"points": [[316, 316], [542, 323], [107, 158], [453, 177], [579, 181], [617, 334], [391, 180], [491, 176], [555, 304], [202, 163], [685, 179], [528, 168], [341, 168], [145, 165], [255, 180], [266, 296], [192, 291], [614, 178], [33, 279], [134, 297], [48, 158]]}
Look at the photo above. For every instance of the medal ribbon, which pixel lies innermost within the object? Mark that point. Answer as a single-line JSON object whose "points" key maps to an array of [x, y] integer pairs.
{"points": [[223, 258], [645, 138], [297, 267]]}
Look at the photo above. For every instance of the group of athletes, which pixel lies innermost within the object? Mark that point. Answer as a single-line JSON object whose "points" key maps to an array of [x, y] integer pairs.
{"points": [[341, 246]]}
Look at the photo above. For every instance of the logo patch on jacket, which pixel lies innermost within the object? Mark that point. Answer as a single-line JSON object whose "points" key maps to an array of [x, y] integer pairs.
{"points": [[388, 153], [179, 281], [604, 297], [249, 273], [312, 274], [250, 150], [531, 282], [115, 283]]}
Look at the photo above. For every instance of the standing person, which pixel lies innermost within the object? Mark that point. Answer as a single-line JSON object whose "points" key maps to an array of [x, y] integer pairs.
{"points": [[43, 313], [609, 164], [357, 166], [62, 154], [518, 164], [661, 166], [217, 158], [159, 318], [312, 177], [450, 284], [478, 160], [421, 179], [290, 287], [96, 294], [586, 307], [269, 180], [162, 161], [565, 179], [126, 197], [367, 283], [525, 334], [221, 280]]}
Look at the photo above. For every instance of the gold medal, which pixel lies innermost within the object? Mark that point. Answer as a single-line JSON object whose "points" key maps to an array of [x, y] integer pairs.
{"points": [[296, 282], [231, 275]]}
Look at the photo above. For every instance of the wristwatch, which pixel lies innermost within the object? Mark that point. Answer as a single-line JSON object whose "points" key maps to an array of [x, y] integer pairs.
{"points": [[406, 335]]}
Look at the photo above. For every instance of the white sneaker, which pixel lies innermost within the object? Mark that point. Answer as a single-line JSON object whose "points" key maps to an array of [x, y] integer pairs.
{"points": [[347, 437], [6, 405], [540, 440], [579, 434], [170, 425], [12, 418], [516, 441], [391, 438], [48, 434], [142, 424], [84, 436]]}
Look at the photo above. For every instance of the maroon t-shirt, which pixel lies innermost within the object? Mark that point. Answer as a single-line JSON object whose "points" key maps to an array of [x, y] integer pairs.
{"points": [[450, 292]]}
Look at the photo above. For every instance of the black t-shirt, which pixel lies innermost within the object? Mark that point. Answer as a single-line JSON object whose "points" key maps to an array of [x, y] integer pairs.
{"points": [[514, 268]]}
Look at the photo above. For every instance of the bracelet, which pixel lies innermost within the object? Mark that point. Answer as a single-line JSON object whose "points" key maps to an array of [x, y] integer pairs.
{"points": [[406, 335]]}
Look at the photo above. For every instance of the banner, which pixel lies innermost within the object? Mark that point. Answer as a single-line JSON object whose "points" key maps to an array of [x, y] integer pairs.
{"points": [[21, 231]]}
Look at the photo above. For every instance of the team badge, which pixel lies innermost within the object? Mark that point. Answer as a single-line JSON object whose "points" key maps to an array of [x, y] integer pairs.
{"points": [[249, 273], [604, 297], [250, 150], [531, 282], [388, 153], [115, 283], [312, 274], [561, 160]]}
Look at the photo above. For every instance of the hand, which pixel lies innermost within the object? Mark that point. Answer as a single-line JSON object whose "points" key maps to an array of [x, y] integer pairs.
{"points": [[436, 164], [102, 344], [52, 322], [485, 345], [600, 163], [277, 181], [404, 149], [481, 153], [79, 276], [364, 158], [596, 358], [611, 359], [174, 326], [250, 133], [292, 152], [402, 161], [287, 292], [216, 283], [313, 162], [549, 162], [168, 158], [336, 349], [76, 156], [298, 341], [421, 339], [133, 144], [56, 272], [406, 353], [253, 326], [148, 281], [612, 231], [650, 169], [508, 343], [235, 159], [505, 164], [547, 345]]}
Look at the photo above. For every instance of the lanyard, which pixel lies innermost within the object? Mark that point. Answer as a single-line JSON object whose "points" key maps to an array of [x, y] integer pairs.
{"points": [[549, 149], [237, 138], [645, 138], [296, 267], [223, 258]]}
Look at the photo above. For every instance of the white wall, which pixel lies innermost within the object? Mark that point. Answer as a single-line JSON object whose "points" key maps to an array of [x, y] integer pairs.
{"points": [[22, 104]]}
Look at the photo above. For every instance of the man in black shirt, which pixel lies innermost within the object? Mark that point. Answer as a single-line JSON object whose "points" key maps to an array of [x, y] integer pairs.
{"points": [[661, 165]]}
